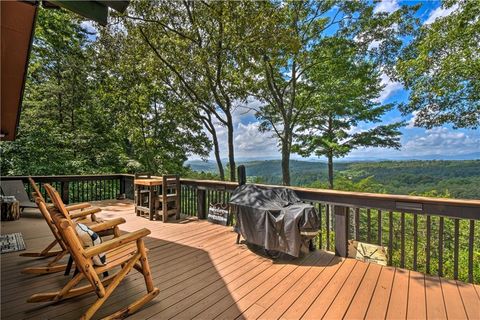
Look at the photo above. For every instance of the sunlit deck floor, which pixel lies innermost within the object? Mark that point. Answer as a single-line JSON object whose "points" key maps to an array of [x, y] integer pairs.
{"points": [[203, 274]]}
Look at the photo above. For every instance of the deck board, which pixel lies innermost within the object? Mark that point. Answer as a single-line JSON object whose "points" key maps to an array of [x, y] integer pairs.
{"points": [[203, 274]]}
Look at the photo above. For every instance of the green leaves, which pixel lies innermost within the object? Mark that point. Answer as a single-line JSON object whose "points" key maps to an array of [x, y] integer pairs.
{"points": [[441, 68], [97, 106]]}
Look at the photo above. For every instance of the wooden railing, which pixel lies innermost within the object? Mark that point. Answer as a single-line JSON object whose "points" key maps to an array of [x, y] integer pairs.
{"points": [[431, 235], [82, 188]]}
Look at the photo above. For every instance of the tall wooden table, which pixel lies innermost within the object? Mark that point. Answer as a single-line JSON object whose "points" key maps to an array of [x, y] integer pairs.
{"points": [[150, 185]]}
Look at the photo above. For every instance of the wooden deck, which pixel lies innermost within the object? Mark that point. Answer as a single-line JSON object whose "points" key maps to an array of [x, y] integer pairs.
{"points": [[203, 274]]}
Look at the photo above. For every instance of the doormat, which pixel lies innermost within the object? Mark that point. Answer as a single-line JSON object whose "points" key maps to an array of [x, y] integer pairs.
{"points": [[11, 242]]}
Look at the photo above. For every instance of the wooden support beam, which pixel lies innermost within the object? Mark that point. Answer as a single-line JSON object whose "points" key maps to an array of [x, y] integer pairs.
{"points": [[341, 231], [202, 203]]}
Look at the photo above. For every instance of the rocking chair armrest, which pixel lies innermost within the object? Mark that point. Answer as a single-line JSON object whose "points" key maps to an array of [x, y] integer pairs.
{"points": [[84, 213], [116, 242], [105, 225], [79, 206]]}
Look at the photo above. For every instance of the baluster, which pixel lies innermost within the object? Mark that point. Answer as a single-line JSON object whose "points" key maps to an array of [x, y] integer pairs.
{"points": [[182, 198], [105, 191], [369, 225], [75, 192], [415, 240], [455, 248], [402, 239], [440, 247], [379, 231], [357, 224], [188, 200], [390, 238], [427, 246], [72, 191], [320, 221], [194, 203], [471, 235], [327, 221]]}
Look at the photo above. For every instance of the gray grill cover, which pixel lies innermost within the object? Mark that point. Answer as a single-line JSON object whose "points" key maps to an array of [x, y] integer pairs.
{"points": [[274, 218]]}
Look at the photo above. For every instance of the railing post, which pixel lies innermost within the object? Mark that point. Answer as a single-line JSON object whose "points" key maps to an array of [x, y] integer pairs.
{"points": [[341, 231], [64, 192], [202, 203], [122, 184], [241, 175]]}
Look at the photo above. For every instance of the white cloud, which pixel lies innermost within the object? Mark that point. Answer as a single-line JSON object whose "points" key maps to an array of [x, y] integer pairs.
{"points": [[390, 87], [442, 141], [388, 6], [411, 122], [435, 143], [249, 141], [440, 12]]}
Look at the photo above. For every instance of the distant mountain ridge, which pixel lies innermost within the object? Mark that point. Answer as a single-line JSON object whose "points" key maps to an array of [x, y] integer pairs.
{"points": [[467, 156], [459, 178]]}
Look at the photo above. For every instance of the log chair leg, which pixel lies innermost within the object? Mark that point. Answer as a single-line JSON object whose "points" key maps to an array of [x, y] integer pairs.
{"points": [[111, 287], [134, 307], [48, 248], [69, 286], [69, 266], [145, 265]]}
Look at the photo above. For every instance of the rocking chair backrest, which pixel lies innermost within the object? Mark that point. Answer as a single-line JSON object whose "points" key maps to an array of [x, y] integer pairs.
{"points": [[48, 218], [36, 189], [57, 201], [68, 234]]}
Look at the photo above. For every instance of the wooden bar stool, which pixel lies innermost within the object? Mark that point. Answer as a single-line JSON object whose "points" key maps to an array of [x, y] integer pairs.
{"points": [[142, 193], [169, 198]]}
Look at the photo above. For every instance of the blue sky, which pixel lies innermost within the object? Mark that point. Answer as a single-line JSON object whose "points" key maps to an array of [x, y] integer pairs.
{"points": [[441, 142]]}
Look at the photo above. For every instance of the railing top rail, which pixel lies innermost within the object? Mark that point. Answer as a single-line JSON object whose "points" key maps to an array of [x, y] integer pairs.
{"points": [[71, 176], [459, 208]]}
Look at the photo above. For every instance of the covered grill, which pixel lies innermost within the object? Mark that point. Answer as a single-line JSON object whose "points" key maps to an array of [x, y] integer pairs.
{"points": [[274, 218]]}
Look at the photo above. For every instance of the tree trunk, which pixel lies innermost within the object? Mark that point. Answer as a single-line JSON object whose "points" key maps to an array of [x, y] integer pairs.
{"points": [[231, 153], [330, 170], [286, 163], [216, 150], [207, 123]]}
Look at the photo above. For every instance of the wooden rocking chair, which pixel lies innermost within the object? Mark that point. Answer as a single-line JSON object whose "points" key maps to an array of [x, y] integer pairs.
{"points": [[106, 228], [127, 252], [45, 253]]}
